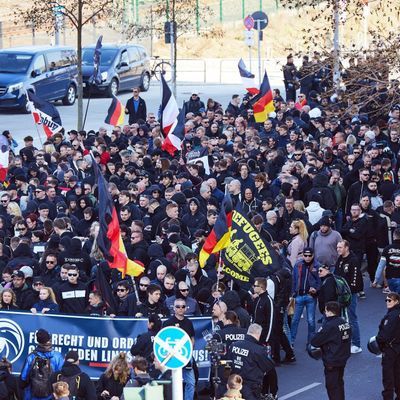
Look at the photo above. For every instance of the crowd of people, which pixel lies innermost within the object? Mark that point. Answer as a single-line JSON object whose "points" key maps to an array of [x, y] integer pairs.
{"points": [[319, 179]]}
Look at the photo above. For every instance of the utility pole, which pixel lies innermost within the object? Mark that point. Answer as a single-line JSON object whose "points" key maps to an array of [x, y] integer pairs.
{"points": [[220, 11], [336, 48], [151, 31], [243, 8]]}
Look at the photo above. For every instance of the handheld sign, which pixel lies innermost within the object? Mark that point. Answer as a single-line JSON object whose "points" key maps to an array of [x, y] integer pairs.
{"points": [[172, 347]]}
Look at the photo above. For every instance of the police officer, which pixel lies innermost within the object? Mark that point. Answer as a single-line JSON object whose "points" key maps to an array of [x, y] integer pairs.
{"points": [[334, 339], [388, 339], [251, 361], [231, 332]]}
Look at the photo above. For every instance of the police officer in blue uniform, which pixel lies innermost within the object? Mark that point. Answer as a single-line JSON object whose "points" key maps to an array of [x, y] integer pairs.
{"points": [[251, 361], [334, 339]]}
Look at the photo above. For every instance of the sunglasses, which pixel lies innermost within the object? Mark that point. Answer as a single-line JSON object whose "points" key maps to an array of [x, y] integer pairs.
{"points": [[307, 255], [50, 262], [143, 285], [4, 201], [183, 290], [121, 290], [38, 284], [72, 274], [389, 300], [180, 306]]}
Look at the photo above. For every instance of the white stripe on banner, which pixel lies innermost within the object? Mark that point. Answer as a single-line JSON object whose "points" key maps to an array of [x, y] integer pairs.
{"points": [[170, 112]]}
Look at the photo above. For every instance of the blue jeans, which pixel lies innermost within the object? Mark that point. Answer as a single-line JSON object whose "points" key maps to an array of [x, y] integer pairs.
{"points": [[190, 383], [310, 303], [394, 285], [353, 319]]}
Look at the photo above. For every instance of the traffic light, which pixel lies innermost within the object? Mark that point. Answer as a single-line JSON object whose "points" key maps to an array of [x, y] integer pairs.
{"points": [[169, 31]]}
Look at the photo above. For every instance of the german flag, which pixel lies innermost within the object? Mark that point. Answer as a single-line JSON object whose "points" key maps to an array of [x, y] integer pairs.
{"points": [[109, 238], [263, 102], [220, 236], [116, 113]]}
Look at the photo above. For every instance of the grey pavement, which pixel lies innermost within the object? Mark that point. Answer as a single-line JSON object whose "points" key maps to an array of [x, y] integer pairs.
{"points": [[363, 370]]}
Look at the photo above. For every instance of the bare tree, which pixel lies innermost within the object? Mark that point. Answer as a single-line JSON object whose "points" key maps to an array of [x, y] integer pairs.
{"points": [[78, 13], [367, 54], [186, 15]]}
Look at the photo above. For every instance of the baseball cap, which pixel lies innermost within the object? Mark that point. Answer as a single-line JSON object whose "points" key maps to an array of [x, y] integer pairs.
{"points": [[313, 171], [308, 251], [18, 274]]}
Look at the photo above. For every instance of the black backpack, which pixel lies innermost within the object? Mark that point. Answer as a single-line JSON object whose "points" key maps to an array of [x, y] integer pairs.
{"points": [[39, 376], [73, 381]]}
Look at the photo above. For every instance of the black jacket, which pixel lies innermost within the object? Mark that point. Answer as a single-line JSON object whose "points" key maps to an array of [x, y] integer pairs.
{"points": [[86, 389], [26, 297], [158, 308], [127, 307], [72, 299], [320, 187], [334, 338], [327, 292], [232, 300], [114, 387], [74, 255], [355, 233], [349, 268], [141, 112], [143, 345], [11, 382], [250, 360], [263, 314], [230, 333], [389, 330]]}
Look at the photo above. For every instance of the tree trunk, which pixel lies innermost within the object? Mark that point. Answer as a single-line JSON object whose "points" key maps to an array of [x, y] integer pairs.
{"points": [[79, 50]]}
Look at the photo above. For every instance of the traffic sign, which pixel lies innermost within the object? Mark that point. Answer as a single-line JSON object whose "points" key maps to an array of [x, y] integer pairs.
{"points": [[260, 18], [249, 22], [249, 38], [173, 347]]}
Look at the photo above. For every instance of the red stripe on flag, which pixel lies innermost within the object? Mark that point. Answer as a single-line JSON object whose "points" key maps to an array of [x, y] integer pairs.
{"points": [[116, 114], [3, 174]]}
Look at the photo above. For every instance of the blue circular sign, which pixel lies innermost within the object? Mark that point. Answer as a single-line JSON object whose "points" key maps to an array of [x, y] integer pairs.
{"points": [[173, 347]]}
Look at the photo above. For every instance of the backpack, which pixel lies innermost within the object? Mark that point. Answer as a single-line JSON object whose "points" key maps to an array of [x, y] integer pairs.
{"points": [[73, 381], [343, 291], [39, 376]]}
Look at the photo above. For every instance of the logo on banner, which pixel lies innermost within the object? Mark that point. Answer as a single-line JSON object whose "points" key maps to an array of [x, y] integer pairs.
{"points": [[12, 340]]}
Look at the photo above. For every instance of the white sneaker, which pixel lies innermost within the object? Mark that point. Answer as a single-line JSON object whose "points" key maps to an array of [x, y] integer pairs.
{"points": [[355, 349]]}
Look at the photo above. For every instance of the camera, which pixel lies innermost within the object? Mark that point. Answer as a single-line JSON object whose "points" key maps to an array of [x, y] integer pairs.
{"points": [[216, 348]]}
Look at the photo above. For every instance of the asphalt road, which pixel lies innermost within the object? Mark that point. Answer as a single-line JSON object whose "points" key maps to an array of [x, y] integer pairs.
{"points": [[22, 124], [304, 380]]}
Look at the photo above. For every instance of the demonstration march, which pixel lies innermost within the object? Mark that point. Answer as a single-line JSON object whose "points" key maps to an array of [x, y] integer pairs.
{"points": [[203, 250]]}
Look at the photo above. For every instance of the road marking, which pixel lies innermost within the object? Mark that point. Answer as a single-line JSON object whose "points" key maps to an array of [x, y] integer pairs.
{"points": [[296, 392]]}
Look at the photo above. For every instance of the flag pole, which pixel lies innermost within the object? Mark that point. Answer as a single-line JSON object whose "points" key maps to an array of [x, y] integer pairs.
{"points": [[30, 110], [87, 105]]}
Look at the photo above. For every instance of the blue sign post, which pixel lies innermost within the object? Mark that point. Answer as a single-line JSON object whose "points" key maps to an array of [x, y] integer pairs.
{"points": [[173, 348]]}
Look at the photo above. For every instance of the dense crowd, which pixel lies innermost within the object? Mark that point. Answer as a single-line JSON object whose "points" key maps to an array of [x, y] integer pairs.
{"points": [[319, 180]]}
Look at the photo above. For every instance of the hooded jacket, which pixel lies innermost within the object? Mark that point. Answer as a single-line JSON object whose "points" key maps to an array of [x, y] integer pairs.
{"points": [[86, 389], [75, 255], [320, 187], [22, 256], [232, 301]]}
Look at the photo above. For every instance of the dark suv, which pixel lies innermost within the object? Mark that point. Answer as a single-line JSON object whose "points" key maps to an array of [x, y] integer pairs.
{"points": [[122, 67], [50, 72]]}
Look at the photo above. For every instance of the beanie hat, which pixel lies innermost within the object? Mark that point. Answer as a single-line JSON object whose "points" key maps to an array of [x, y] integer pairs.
{"points": [[42, 336]]}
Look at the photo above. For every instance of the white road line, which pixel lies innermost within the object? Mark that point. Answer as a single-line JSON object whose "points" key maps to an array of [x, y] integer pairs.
{"points": [[296, 392]]}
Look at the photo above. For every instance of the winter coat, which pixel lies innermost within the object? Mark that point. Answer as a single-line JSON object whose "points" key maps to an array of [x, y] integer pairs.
{"points": [[54, 308], [232, 301], [314, 212], [56, 362], [86, 389], [320, 187]]}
